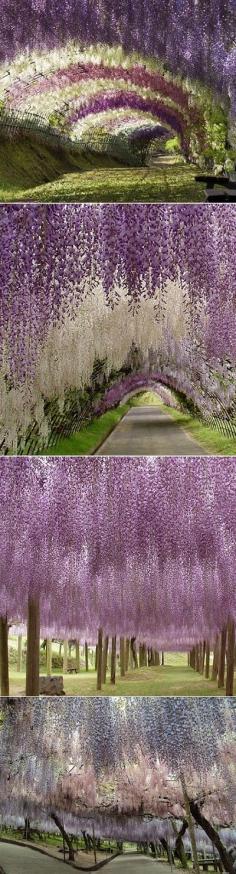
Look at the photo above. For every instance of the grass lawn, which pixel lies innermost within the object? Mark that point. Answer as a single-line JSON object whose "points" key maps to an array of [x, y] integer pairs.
{"points": [[32, 171], [212, 440], [175, 678], [87, 440]]}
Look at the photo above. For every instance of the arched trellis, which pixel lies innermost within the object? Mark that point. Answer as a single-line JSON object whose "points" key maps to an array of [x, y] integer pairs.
{"points": [[161, 270], [69, 93]]}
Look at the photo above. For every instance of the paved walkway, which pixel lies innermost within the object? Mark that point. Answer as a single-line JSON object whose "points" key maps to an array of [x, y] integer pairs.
{"points": [[21, 860], [130, 864], [149, 430]]}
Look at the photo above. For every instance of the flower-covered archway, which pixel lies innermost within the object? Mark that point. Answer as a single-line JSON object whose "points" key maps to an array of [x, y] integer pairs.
{"points": [[73, 276], [80, 63]]}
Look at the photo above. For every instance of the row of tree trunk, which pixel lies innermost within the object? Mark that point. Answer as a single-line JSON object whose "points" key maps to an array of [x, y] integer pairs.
{"points": [[223, 663], [222, 669], [128, 657]]}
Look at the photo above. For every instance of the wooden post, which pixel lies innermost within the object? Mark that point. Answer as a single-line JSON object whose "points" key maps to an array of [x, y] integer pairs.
{"points": [[134, 652], [77, 656], [99, 660], [197, 658], [230, 657], [203, 656], [113, 661], [127, 654], [163, 659], [104, 659], [214, 672], [86, 656], [207, 667], [19, 653], [4, 662], [33, 647], [122, 656], [49, 657], [221, 674], [65, 656]]}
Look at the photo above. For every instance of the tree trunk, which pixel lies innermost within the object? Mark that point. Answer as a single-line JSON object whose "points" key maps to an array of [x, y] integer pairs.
{"points": [[134, 652], [215, 660], [179, 844], [211, 832], [33, 647], [104, 659], [77, 656], [99, 660], [221, 674], [203, 656], [190, 825], [197, 658], [207, 668], [127, 654], [230, 658], [113, 661], [65, 656], [4, 661], [26, 832], [49, 658], [122, 657], [19, 653], [65, 836]]}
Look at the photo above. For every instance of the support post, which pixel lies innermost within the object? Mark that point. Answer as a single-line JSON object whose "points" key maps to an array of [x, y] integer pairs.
{"points": [[4, 661], [122, 657], [104, 659], [19, 653], [230, 658], [113, 661], [99, 660], [33, 647], [77, 656], [207, 666], [65, 656], [221, 673], [49, 657], [86, 656]]}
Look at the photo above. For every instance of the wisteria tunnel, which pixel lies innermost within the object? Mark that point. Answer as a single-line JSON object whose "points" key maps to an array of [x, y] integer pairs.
{"points": [[159, 775], [123, 560], [116, 85], [98, 301]]}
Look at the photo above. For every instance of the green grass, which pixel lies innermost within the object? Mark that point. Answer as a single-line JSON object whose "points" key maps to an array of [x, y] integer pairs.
{"points": [[32, 171], [209, 438], [85, 441], [159, 681]]}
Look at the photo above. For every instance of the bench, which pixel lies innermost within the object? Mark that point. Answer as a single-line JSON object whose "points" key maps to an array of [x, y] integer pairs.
{"points": [[229, 186], [51, 686], [206, 862]]}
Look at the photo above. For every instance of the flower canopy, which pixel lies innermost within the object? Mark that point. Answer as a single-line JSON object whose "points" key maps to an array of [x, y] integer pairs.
{"points": [[118, 763], [122, 65], [71, 276], [140, 547]]}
